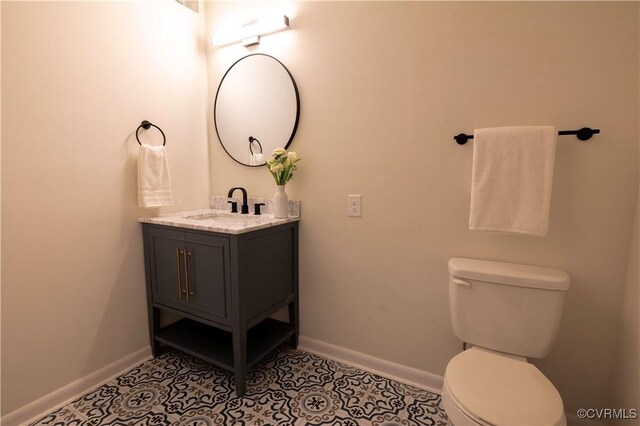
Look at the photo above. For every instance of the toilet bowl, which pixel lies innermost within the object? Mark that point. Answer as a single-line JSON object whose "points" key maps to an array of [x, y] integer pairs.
{"points": [[488, 388]]}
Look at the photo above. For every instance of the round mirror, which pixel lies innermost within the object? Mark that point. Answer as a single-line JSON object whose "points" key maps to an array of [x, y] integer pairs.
{"points": [[256, 109]]}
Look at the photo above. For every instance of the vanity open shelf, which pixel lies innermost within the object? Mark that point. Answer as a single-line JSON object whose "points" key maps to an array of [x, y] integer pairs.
{"points": [[225, 286], [196, 339]]}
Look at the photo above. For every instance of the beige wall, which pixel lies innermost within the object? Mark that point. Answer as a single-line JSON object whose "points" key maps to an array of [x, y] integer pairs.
{"points": [[78, 78], [383, 89], [626, 380]]}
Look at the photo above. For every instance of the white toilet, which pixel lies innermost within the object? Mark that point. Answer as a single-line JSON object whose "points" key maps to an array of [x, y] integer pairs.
{"points": [[506, 312]]}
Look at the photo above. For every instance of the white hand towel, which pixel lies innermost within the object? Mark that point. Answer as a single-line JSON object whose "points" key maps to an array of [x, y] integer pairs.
{"points": [[154, 182], [511, 179]]}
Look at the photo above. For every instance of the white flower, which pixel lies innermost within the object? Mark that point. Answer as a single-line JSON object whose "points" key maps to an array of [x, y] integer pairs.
{"points": [[282, 165], [276, 168]]}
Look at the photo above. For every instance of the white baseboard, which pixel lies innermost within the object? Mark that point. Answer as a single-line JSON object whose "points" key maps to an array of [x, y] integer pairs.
{"points": [[56, 399], [401, 373]]}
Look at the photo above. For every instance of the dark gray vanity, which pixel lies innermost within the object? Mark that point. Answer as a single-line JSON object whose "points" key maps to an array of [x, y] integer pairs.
{"points": [[225, 286]]}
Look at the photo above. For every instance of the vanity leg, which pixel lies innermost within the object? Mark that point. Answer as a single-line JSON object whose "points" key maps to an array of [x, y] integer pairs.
{"points": [[154, 327], [294, 312], [241, 382], [152, 313], [295, 320], [240, 360]]}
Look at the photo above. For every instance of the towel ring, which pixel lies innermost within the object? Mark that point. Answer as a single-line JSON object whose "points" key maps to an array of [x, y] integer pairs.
{"points": [[251, 141], [146, 125]]}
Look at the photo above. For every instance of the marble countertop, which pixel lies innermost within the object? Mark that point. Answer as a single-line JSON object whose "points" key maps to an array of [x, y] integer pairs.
{"points": [[216, 220]]}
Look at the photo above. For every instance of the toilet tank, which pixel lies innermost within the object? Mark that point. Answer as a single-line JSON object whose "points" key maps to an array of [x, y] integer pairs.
{"points": [[506, 307]]}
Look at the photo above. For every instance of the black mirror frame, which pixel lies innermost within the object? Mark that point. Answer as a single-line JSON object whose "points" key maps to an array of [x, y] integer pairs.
{"points": [[295, 125]]}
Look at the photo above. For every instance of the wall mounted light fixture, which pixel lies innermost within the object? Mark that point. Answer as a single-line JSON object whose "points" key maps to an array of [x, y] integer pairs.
{"points": [[249, 33]]}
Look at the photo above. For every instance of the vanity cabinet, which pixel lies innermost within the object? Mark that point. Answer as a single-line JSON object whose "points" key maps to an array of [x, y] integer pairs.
{"points": [[225, 287]]}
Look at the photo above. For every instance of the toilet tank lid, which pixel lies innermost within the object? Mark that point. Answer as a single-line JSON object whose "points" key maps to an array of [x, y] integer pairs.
{"points": [[509, 273]]}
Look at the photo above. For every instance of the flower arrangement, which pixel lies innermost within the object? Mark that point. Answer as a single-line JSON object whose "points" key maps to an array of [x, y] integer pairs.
{"points": [[282, 164]]}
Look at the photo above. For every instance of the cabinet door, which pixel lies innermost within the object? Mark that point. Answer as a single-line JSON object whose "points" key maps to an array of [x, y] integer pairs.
{"points": [[167, 260], [208, 276]]}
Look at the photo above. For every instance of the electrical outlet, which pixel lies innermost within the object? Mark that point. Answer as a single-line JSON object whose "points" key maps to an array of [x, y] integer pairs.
{"points": [[354, 203]]}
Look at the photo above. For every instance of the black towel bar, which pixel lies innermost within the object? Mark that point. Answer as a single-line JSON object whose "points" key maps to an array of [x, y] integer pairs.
{"points": [[583, 134], [146, 125]]}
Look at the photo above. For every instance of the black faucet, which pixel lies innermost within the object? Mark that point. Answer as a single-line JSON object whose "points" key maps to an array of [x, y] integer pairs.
{"points": [[245, 206]]}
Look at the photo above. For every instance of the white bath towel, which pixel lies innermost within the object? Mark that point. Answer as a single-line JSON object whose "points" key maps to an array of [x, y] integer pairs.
{"points": [[154, 182], [511, 179]]}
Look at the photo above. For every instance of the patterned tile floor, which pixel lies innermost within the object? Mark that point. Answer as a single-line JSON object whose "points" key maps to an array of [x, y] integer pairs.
{"points": [[289, 387]]}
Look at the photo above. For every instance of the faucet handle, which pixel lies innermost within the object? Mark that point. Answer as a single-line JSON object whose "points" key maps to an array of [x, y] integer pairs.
{"points": [[256, 208], [234, 206]]}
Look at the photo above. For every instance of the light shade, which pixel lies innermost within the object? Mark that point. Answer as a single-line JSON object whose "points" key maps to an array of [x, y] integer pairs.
{"points": [[251, 30]]}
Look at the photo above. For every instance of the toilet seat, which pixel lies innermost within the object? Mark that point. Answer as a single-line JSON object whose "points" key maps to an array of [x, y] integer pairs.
{"points": [[491, 388]]}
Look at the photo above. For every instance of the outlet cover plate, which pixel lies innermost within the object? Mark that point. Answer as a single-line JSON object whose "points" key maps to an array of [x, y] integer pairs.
{"points": [[354, 205]]}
